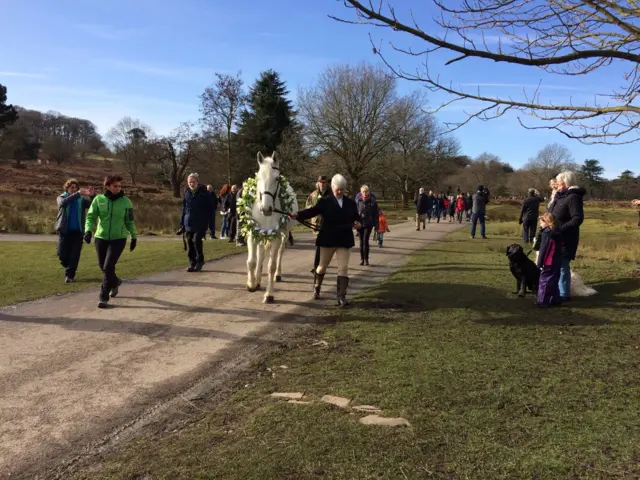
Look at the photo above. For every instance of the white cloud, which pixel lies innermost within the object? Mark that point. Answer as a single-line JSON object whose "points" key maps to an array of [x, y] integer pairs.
{"points": [[108, 32], [176, 72], [529, 86], [23, 75]]}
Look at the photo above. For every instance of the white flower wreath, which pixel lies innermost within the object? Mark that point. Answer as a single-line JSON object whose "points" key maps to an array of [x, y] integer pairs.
{"points": [[245, 205]]}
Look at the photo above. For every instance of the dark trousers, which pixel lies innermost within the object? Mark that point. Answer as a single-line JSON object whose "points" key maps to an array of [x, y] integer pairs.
{"points": [[528, 231], [365, 234], [459, 216], [548, 286], [109, 252], [475, 217], [233, 227], [69, 250], [194, 247]]}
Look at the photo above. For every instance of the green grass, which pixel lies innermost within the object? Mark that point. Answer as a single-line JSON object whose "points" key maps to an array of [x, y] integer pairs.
{"points": [[493, 388], [31, 270]]}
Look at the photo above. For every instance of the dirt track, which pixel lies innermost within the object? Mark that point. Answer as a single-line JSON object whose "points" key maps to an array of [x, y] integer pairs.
{"points": [[71, 373]]}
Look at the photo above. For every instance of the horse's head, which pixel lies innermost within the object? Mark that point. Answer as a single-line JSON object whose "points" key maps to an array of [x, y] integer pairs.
{"points": [[268, 184]]}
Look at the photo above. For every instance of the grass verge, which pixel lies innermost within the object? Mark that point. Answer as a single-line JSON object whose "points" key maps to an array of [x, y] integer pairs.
{"points": [[493, 388], [31, 270]]}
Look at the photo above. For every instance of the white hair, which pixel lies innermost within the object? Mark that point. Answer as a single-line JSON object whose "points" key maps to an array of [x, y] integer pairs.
{"points": [[194, 175], [421, 190], [338, 181], [570, 179]]}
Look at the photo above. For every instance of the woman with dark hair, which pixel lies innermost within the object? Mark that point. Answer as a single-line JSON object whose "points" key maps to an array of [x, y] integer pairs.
{"points": [[224, 192], [111, 214], [72, 211]]}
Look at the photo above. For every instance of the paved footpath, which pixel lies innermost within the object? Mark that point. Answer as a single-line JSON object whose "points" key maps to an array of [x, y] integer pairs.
{"points": [[71, 373]]}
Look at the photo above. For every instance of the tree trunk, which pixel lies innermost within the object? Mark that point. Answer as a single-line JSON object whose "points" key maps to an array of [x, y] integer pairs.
{"points": [[405, 199], [175, 186]]}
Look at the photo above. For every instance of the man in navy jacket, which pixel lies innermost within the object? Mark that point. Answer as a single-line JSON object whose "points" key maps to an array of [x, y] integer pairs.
{"points": [[198, 214]]}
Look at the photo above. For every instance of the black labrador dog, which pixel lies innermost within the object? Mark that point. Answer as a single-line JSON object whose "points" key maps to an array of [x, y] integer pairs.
{"points": [[526, 273]]}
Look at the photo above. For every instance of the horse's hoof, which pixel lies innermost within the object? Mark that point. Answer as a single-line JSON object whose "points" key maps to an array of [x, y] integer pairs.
{"points": [[251, 290], [278, 278], [269, 299]]}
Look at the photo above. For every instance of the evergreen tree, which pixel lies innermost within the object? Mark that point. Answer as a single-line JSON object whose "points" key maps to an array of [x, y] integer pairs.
{"points": [[268, 116], [8, 113]]}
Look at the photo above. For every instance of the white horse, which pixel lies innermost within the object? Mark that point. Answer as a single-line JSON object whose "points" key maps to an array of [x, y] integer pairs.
{"points": [[265, 213]]}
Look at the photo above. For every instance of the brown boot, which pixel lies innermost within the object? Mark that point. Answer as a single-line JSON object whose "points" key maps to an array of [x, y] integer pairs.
{"points": [[343, 283], [317, 284]]}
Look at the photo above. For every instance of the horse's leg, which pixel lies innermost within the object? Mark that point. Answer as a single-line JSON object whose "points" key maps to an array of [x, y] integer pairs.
{"points": [[273, 249], [251, 263], [283, 247], [260, 249]]}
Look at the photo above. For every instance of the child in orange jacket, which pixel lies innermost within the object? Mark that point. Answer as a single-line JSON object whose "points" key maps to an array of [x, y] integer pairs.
{"points": [[383, 227]]}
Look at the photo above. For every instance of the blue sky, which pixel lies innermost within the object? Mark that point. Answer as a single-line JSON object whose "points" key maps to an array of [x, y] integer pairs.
{"points": [[151, 59]]}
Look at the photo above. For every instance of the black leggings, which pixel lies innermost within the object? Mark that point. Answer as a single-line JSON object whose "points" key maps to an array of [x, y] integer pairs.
{"points": [[365, 235], [109, 252]]}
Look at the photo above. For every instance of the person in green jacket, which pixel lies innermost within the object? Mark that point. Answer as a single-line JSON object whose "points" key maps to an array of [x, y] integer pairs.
{"points": [[111, 215]]}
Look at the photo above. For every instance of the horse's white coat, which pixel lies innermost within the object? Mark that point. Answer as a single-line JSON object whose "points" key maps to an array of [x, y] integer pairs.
{"points": [[267, 181]]}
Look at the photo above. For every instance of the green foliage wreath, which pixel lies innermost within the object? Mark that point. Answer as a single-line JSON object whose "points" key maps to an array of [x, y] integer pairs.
{"points": [[245, 204]]}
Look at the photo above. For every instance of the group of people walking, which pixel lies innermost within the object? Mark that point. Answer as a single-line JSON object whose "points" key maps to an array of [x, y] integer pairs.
{"points": [[110, 215], [437, 205]]}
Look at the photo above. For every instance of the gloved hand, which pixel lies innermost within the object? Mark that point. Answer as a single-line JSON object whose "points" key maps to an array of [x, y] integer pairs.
{"points": [[132, 246], [87, 237], [180, 231], [520, 221]]}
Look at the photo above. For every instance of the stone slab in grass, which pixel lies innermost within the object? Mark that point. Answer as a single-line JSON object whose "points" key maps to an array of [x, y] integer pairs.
{"points": [[387, 422], [367, 408], [288, 395], [337, 401]]}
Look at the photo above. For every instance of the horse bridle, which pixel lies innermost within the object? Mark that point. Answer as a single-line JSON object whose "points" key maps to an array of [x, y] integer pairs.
{"points": [[273, 195]]}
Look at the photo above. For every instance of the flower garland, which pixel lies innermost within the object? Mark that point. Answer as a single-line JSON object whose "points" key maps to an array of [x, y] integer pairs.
{"points": [[245, 205]]}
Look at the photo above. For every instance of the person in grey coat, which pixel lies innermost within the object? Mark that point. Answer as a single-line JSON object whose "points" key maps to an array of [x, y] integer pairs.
{"points": [[479, 210], [529, 216], [72, 212]]}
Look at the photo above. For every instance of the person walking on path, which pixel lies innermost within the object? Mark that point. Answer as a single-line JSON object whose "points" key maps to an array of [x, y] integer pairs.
{"points": [[111, 215], [368, 212], [216, 201], [460, 207], [478, 211], [339, 217], [224, 193], [452, 208], [72, 211], [568, 209], [430, 204], [322, 190], [529, 216], [422, 207], [438, 207], [198, 214], [383, 227], [468, 204], [549, 262], [231, 207]]}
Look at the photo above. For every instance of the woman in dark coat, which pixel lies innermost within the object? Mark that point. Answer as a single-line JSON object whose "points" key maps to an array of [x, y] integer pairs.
{"points": [[339, 217], [368, 212], [567, 208]]}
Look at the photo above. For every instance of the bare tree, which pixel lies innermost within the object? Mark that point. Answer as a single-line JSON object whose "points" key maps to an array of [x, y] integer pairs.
{"points": [[130, 140], [175, 153], [565, 37], [221, 106], [350, 113], [410, 154], [59, 149], [549, 162]]}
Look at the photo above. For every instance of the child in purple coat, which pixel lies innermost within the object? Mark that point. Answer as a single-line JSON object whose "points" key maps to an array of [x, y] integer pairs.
{"points": [[549, 260]]}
